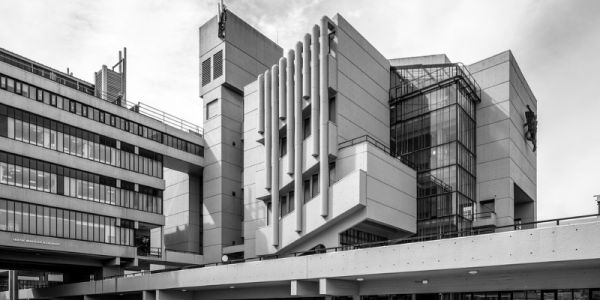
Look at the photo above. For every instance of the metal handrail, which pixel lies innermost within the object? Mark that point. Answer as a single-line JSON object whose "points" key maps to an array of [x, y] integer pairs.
{"points": [[371, 140], [455, 234], [442, 73]]}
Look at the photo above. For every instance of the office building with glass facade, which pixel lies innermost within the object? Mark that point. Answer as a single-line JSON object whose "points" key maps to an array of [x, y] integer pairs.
{"points": [[82, 181]]}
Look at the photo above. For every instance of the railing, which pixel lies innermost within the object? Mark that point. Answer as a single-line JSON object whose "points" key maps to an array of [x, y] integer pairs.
{"points": [[88, 88], [376, 143], [437, 75], [149, 251], [164, 117], [447, 235]]}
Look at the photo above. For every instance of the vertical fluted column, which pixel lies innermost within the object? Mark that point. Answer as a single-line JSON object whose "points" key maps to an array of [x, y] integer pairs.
{"points": [[261, 104], [267, 118], [306, 67], [324, 117], [282, 87], [275, 152], [314, 95], [298, 136], [290, 111]]}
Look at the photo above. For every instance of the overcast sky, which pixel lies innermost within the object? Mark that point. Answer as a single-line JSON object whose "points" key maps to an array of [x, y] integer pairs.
{"points": [[556, 43]]}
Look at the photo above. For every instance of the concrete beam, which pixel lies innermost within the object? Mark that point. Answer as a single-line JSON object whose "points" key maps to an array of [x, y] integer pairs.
{"points": [[338, 287], [304, 288]]}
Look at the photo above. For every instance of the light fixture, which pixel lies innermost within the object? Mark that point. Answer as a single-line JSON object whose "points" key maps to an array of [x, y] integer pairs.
{"points": [[473, 272], [184, 290], [425, 281], [360, 279], [232, 286], [224, 258]]}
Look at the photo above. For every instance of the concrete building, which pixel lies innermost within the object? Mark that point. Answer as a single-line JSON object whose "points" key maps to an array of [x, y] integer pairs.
{"points": [[329, 170], [82, 180]]}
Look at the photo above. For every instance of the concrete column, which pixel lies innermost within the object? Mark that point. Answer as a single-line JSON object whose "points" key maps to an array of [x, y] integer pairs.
{"points": [[261, 104], [13, 285], [267, 118], [306, 67], [275, 153], [282, 87], [290, 111], [298, 189], [324, 118], [314, 95]]}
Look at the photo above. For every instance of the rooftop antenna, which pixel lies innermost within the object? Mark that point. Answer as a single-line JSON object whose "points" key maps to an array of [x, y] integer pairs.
{"points": [[122, 64], [221, 18]]}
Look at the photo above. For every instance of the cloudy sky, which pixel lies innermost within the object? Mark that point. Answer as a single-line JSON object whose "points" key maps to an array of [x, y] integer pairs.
{"points": [[556, 43]]}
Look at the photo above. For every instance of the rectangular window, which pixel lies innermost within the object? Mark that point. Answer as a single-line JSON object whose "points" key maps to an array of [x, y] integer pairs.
{"points": [[282, 146], [332, 178], [211, 109], [3, 213], [315, 185], [307, 196], [10, 85], [306, 127], [332, 110], [283, 206]]}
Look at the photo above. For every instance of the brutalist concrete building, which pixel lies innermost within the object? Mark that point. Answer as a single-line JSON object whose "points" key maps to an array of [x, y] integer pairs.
{"points": [[322, 171]]}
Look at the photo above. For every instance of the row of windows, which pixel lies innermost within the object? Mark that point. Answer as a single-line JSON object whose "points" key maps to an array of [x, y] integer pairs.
{"points": [[29, 128], [311, 190], [562, 294], [38, 94], [355, 237], [37, 175], [62, 223]]}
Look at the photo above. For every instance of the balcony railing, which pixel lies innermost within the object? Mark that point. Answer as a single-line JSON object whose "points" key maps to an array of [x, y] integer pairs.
{"points": [[149, 251], [88, 88]]}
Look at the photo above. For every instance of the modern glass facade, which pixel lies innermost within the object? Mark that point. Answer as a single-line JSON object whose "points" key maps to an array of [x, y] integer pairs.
{"points": [[27, 173], [35, 93], [36, 130], [16, 216], [433, 126]]}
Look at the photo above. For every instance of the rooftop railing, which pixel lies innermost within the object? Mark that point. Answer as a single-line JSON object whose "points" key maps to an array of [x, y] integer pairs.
{"points": [[88, 88], [435, 75]]}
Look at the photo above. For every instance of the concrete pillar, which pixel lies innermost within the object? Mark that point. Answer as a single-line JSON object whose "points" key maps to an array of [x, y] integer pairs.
{"points": [[290, 111], [298, 136], [261, 104], [275, 154], [13, 285], [314, 95], [306, 67], [282, 87], [267, 118], [324, 117]]}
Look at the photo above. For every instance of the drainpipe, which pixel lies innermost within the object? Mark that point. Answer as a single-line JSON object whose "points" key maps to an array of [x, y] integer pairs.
{"points": [[314, 95], [275, 153], [324, 117], [298, 137]]}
